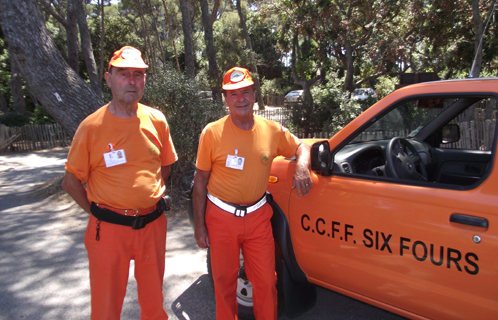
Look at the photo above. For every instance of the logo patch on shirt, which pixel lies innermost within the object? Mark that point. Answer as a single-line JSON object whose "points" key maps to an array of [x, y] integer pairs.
{"points": [[153, 149], [264, 159]]}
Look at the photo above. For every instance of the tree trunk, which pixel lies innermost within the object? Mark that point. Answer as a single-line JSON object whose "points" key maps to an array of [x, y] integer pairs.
{"points": [[102, 36], [61, 92], [16, 87], [305, 84], [86, 48], [349, 64], [305, 110], [70, 23], [188, 41], [254, 68], [72, 36], [159, 42], [214, 14], [147, 38], [479, 31], [211, 52], [3, 104], [33, 98], [171, 35]]}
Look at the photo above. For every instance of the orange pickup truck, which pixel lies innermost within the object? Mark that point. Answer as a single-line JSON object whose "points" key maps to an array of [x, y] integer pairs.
{"points": [[403, 213]]}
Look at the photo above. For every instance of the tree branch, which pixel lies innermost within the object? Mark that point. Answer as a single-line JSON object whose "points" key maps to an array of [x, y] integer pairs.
{"points": [[48, 8]]}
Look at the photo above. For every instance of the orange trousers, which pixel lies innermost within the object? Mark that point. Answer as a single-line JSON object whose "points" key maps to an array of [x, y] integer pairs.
{"points": [[109, 263], [253, 233]]}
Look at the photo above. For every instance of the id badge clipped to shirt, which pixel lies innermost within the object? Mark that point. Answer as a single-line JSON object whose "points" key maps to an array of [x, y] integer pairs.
{"points": [[235, 162], [114, 157]]}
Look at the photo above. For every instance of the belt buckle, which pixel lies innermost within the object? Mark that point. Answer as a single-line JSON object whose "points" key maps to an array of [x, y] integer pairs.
{"points": [[126, 212], [240, 211], [139, 222]]}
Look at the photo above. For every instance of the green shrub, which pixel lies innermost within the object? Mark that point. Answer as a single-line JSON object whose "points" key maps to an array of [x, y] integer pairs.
{"points": [[41, 116], [332, 108], [12, 119], [185, 112], [271, 87], [385, 85]]}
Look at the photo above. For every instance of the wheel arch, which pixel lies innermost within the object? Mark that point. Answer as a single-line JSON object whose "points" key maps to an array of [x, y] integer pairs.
{"points": [[283, 241], [299, 293]]}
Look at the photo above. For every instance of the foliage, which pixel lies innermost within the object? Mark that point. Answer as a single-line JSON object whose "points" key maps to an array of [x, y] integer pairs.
{"points": [[5, 75], [264, 39], [5, 78], [202, 79], [229, 42], [271, 87], [12, 119], [384, 86], [349, 32], [41, 116], [307, 62], [177, 96], [119, 31], [332, 108]]}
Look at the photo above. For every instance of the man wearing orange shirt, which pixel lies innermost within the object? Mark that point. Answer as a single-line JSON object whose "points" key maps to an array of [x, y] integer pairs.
{"points": [[231, 213], [123, 152]]}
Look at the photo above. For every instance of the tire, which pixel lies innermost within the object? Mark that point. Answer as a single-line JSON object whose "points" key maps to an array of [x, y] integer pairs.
{"points": [[244, 290]]}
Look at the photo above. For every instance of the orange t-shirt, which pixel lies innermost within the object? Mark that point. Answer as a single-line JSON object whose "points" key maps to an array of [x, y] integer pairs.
{"points": [[258, 146], [146, 143]]}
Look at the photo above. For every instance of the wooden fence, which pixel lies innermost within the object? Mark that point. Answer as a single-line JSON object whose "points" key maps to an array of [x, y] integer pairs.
{"points": [[277, 114], [316, 135], [33, 137], [274, 100], [474, 135]]}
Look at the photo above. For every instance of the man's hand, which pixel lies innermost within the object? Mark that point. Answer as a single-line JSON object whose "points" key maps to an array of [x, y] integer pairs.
{"points": [[73, 186], [201, 236], [302, 179], [201, 180]]}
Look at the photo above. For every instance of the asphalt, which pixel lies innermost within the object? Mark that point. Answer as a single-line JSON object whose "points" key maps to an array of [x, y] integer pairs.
{"points": [[43, 264], [44, 267]]}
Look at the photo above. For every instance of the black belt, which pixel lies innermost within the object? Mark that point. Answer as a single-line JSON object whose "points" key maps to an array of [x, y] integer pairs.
{"points": [[135, 222]]}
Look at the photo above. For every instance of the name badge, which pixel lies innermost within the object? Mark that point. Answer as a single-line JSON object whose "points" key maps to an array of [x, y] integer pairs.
{"points": [[114, 158], [235, 162]]}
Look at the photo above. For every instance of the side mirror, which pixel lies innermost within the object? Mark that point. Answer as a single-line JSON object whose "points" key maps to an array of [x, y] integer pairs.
{"points": [[320, 156], [450, 133]]}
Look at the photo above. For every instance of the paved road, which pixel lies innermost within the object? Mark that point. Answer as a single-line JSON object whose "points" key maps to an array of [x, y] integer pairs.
{"points": [[44, 268]]}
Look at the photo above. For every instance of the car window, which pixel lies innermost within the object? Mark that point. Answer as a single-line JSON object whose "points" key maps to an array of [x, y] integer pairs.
{"points": [[476, 125], [404, 120], [446, 141]]}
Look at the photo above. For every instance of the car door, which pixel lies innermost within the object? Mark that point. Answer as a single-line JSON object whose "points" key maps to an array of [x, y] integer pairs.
{"points": [[416, 249]]}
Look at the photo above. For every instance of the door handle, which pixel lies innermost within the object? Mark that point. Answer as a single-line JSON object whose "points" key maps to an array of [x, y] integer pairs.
{"points": [[469, 220]]}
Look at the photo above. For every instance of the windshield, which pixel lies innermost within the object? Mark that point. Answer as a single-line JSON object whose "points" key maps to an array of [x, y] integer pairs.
{"points": [[405, 120]]}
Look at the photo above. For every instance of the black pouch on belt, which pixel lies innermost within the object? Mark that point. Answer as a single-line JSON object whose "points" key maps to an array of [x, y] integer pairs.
{"points": [[164, 203]]}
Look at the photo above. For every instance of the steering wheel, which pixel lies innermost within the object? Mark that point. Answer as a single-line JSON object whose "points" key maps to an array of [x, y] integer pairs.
{"points": [[403, 160]]}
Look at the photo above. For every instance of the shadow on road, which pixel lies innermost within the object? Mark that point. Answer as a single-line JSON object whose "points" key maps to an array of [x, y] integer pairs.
{"points": [[43, 270], [197, 302], [26, 178]]}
